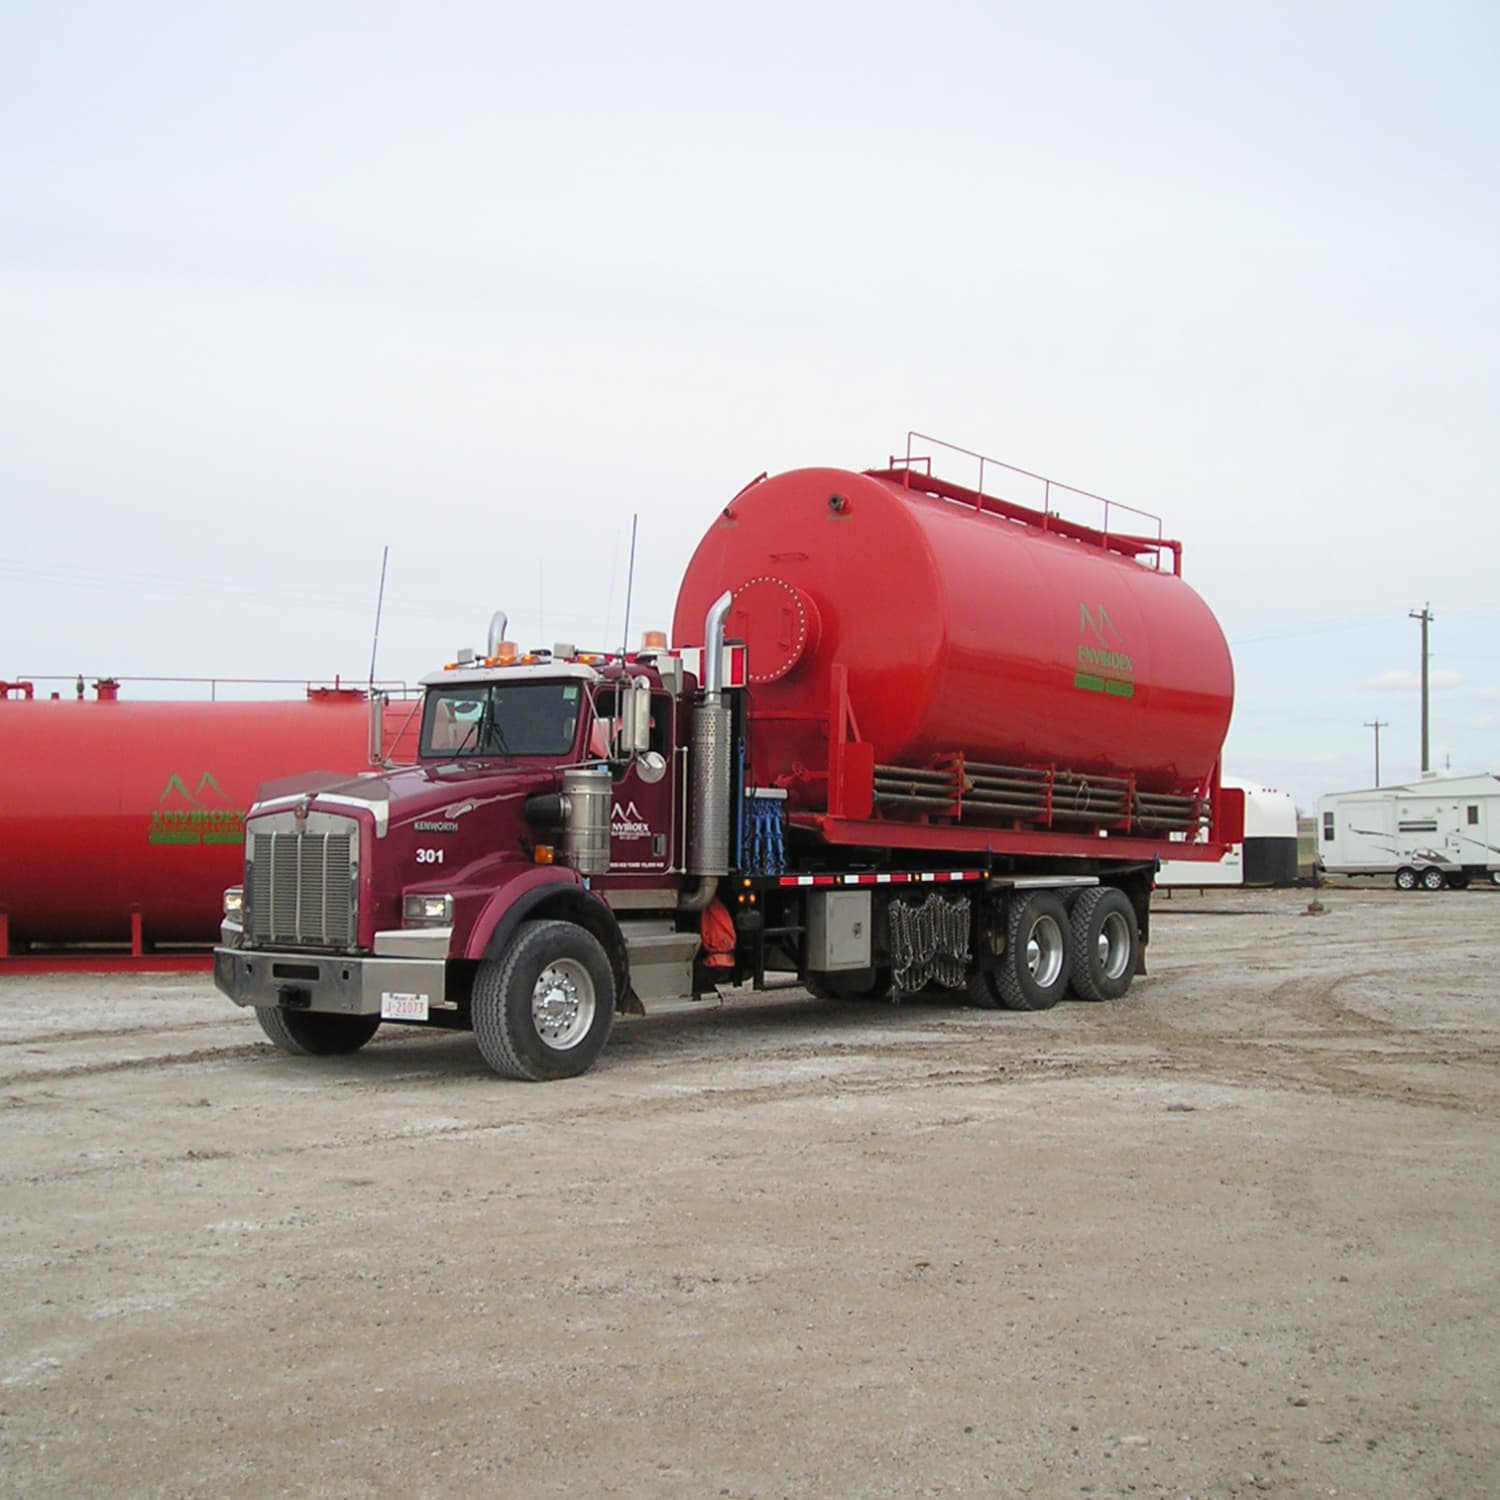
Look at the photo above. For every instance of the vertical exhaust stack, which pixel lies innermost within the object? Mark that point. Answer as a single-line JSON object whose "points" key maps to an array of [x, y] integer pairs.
{"points": [[498, 622], [708, 846]]}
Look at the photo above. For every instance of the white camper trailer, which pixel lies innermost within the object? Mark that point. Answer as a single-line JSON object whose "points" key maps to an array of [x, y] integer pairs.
{"points": [[1268, 855], [1440, 831]]}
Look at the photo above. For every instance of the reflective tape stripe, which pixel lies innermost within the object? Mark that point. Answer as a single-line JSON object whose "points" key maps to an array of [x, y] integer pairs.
{"points": [[883, 877]]}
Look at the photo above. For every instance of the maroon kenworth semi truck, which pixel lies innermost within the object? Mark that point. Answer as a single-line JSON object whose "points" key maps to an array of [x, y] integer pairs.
{"points": [[912, 735]]}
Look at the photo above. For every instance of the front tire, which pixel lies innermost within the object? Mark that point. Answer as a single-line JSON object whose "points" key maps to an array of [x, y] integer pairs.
{"points": [[1033, 972], [1106, 943], [1406, 879], [545, 1009], [314, 1033]]}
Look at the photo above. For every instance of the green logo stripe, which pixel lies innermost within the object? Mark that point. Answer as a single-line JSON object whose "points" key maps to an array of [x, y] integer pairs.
{"points": [[1092, 684]]}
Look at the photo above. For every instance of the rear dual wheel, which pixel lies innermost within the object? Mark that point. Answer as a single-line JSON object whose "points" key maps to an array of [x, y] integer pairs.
{"points": [[1034, 968], [1093, 949], [1106, 943], [850, 984]]}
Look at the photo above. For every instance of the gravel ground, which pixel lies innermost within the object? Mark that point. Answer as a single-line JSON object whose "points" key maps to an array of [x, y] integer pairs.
{"points": [[1232, 1235]]}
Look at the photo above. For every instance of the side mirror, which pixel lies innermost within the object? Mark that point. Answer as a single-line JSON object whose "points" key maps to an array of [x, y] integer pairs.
{"points": [[651, 766], [635, 717]]}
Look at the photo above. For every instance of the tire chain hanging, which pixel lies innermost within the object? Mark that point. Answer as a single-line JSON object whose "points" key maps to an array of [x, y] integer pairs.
{"points": [[929, 943]]}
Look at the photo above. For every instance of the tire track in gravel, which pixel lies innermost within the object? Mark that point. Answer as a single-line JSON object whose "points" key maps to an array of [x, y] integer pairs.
{"points": [[110, 1034], [157, 1061], [1299, 1059]]}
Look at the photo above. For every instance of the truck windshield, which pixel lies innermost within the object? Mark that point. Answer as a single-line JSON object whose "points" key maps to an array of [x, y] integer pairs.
{"points": [[523, 718]]}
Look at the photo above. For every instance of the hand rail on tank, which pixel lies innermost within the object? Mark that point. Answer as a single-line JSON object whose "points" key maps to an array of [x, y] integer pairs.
{"points": [[393, 741], [313, 687], [1046, 519]]}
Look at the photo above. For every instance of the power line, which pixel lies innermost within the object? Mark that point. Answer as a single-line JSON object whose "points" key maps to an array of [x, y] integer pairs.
{"points": [[1319, 627]]}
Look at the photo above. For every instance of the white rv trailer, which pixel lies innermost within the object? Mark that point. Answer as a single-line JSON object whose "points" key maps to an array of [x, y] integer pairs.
{"points": [[1440, 831], [1268, 856]]}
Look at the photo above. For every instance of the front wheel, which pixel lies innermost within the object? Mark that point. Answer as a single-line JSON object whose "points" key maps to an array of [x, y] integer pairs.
{"points": [[1106, 942], [1033, 972], [545, 1009], [314, 1033], [1406, 879]]}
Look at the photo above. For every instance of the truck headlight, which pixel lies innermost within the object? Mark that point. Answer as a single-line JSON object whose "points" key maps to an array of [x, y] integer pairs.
{"points": [[429, 911], [234, 903]]}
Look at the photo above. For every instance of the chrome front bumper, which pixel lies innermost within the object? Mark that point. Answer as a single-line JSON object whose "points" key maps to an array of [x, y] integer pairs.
{"points": [[318, 982]]}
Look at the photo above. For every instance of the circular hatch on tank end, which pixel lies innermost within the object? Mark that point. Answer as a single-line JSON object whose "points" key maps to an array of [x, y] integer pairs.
{"points": [[777, 621]]}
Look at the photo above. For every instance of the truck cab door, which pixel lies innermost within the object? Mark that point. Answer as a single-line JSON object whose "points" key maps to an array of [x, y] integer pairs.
{"points": [[643, 810]]}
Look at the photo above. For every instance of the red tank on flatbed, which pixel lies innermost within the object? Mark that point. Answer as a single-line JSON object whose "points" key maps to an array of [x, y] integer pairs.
{"points": [[962, 654]]}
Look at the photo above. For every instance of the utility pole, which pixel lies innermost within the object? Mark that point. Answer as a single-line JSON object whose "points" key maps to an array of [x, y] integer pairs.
{"points": [[1425, 615], [1377, 725]]}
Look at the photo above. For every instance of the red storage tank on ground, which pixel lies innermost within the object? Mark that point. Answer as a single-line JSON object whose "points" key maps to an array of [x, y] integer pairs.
{"points": [[962, 629], [109, 807]]}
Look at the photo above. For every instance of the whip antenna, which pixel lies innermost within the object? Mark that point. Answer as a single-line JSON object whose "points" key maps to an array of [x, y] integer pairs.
{"points": [[379, 604], [629, 583]]}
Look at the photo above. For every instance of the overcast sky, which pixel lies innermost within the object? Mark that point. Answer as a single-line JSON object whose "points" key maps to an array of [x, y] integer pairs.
{"points": [[283, 284]]}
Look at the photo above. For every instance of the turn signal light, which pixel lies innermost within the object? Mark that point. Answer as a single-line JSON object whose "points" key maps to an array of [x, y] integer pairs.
{"points": [[654, 640], [543, 854]]}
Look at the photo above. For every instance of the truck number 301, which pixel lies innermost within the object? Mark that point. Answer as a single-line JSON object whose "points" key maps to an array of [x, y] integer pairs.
{"points": [[430, 856]]}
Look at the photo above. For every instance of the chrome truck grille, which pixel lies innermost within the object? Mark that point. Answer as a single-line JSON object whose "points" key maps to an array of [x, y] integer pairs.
{"points": [[302, 889]]}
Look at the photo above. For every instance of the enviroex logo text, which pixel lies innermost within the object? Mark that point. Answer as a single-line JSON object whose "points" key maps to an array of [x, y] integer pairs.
{"points": [[1102, 667], [184, 817], [627, 822]]}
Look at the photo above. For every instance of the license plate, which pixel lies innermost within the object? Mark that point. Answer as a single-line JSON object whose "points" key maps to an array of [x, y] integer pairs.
{"points": [[394, 1007]]}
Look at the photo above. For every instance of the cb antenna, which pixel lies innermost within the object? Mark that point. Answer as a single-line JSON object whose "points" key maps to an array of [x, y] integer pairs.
{"points": [[379, 605], [629, 583]]}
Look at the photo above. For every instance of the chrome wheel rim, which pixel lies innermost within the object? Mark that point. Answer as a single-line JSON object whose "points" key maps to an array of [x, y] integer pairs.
{"points": [[1114, 945], [562, 1004], [1044, 951]]}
